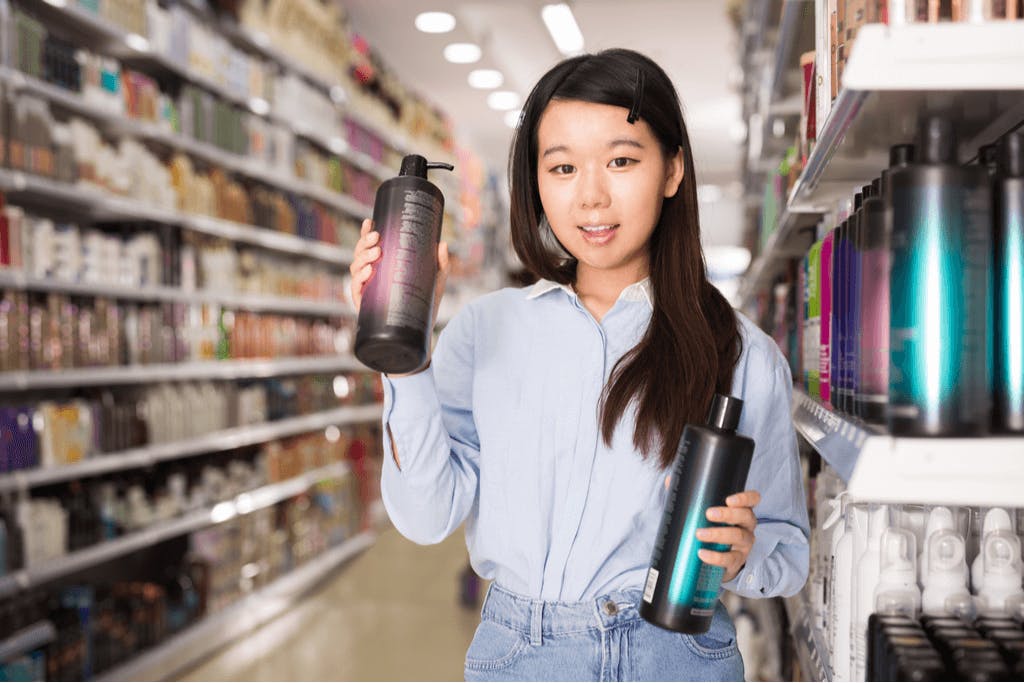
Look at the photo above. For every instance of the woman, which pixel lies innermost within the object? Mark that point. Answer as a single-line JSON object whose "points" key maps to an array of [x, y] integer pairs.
{"points": [[549, 416]]}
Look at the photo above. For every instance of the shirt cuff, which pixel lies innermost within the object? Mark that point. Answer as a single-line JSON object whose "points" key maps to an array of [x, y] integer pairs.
{"points": [[419, 397], [750, 582]]}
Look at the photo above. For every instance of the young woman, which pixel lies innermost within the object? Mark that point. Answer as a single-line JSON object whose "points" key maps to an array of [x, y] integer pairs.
{"points": [[549, 416]]}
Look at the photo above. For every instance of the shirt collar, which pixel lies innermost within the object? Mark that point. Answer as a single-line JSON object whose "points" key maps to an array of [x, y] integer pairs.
{"points": [[638, 291]]}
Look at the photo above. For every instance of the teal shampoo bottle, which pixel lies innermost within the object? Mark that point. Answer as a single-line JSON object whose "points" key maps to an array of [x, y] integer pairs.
{"points": [[711, 464]]}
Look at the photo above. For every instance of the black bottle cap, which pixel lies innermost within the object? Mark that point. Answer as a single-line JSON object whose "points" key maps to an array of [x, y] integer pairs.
{"points": [[725, 412], [938, 141], [901, 155], [1011, 155], [876, 187], [858, 201], [415, 165], [867, 191], [987, 155]]}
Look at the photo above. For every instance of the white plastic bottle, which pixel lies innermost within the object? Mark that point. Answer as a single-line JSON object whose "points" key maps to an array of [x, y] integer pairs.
{"points": [[834, 528], [897, 591], [996, 573], [938, 519], [868, 570], [841, 594], [945, 580]]}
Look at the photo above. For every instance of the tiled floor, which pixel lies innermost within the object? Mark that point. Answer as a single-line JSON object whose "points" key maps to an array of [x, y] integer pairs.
{"points": [[391, 614]]}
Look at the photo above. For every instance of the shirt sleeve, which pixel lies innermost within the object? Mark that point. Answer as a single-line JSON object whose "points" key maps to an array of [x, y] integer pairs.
{"points": [[778, 561], [429, 419]]}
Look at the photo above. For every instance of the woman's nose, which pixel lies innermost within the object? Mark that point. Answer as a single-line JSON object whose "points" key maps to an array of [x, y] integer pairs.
{"points": [[592, 191]]}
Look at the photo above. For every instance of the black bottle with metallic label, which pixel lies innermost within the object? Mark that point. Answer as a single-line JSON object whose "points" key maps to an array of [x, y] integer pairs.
{"points": [[711, 464], [1009, 285], [393, 332]]}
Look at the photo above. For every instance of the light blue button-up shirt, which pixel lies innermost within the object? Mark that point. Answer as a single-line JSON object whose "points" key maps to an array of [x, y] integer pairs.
{"points": [[502, 432]]}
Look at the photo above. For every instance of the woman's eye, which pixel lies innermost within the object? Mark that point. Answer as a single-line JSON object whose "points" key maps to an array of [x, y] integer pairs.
{"points": [[621, 162], [563, 169]]}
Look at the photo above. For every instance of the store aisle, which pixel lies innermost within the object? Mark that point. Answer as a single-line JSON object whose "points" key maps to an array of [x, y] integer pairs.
{"points": [[391, 614]]}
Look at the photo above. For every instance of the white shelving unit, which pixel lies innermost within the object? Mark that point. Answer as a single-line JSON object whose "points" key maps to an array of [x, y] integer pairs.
{"points": [[251, 612], [249, 302], [146, 456], [242, 504], [879, 468], [175, 372], [27, 639], [99, 205], [895, 76], [809, 640]]}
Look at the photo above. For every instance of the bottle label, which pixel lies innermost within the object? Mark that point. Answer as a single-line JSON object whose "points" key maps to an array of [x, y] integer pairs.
{"points": [[708, 582], [652, 583], [411, 292]]}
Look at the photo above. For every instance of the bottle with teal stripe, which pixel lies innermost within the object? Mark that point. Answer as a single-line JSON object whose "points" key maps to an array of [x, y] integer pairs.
{"points": [[1009, 285], [712, 463]]}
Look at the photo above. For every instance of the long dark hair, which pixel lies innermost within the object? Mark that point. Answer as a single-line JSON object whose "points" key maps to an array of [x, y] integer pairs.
{"points": [[692, 344]]}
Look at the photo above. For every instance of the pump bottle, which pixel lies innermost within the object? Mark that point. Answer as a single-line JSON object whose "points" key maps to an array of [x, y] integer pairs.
{"points": [[996, 571], [396, 314], [712, 464]]}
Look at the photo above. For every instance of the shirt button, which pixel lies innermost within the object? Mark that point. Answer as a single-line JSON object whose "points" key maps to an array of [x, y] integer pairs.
{"points": [[611, 609], [750, 580]]}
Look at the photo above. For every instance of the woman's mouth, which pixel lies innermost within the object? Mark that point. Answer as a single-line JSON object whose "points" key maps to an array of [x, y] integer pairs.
{"points": [[598, 234]]}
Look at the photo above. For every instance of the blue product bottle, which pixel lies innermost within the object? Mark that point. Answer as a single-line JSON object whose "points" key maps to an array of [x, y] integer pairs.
{"points": [[712, 464], [1009, 285], [851, 346], [939, 380], [839, 285]]}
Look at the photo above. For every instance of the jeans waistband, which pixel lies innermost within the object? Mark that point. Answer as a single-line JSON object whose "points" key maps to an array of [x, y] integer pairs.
{"points": [[537, 618]]}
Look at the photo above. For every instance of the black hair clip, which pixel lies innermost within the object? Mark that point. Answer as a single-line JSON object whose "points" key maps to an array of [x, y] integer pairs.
{"points": [[638, 97]]}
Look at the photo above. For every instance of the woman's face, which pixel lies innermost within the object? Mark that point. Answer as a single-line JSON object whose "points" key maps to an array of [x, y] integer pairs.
{"points": [[602, 182]]}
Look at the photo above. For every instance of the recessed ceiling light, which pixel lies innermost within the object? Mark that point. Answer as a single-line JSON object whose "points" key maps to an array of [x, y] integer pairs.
{"points": [[485, 79], [563, 28], [503, 100], [435, 22], [462, 53], [512, 118], [136, 42]]}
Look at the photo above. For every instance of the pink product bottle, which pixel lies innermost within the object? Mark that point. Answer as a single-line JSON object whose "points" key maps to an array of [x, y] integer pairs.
{"points": [[825, 332]]}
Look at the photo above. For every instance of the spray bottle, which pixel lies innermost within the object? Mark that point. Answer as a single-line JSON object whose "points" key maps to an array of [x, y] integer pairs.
{"points": [[393, 333], [996, 572]]}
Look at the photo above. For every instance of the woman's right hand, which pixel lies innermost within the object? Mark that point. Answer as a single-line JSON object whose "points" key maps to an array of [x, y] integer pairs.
{"points": [[366, 254]]}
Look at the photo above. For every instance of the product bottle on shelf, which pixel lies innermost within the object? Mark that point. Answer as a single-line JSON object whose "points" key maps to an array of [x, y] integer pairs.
{"points": [[897, 591], [868, 570], [1009, 285], [853, 336], [996, 572], [940, 381], [945, 577], [842, 592], [825, 325]]}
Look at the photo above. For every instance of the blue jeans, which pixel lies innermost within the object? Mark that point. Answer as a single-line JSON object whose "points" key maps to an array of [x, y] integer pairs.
{"points": [[604, 639]]}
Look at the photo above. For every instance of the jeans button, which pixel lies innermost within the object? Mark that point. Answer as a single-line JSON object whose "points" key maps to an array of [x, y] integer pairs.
{"points": [[611, 609]]}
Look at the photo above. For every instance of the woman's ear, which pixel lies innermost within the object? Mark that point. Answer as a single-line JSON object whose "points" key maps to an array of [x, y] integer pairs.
{"points": [[675, 170]]}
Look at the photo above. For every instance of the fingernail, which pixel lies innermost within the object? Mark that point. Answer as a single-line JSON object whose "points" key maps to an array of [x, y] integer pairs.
{"points": [[703, 554], [702, 534], [731, 500], [714, 513]]}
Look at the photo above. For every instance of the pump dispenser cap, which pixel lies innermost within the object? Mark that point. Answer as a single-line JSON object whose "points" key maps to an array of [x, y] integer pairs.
{"points": [[858, 201], [868, 191], [415, 165], [725, 412], [901, 155], [876, 187], [938, 141], [1011, 155]]}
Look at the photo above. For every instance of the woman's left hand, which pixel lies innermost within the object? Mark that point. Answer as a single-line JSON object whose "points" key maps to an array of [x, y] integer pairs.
{"points": [[739, 514]]}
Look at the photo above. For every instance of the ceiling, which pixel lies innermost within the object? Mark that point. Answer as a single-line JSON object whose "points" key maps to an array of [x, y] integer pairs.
{"points": [[691, 39]]}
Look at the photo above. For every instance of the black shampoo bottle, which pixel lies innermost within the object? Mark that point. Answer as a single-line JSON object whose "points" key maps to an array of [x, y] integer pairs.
{"points": [[711, 464], [393, 332]]}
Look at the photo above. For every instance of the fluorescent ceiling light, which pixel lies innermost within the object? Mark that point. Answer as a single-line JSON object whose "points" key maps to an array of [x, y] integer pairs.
{"points": [[503, 100], [259, 106], [136, 42], [435, 22], [462, 53], [485, 79], [724, 262], [563, 28], [57, 3], [512, 118]]}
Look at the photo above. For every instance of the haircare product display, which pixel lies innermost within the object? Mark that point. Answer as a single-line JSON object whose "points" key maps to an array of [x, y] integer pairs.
{"points": [[397, 309], [712, 463]]}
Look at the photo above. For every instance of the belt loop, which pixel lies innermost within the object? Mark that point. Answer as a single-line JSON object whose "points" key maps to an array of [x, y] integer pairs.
{"points": [[537, 623]]}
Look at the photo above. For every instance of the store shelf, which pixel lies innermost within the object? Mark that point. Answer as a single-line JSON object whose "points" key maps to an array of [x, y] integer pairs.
{"points": [[249, 613], [898, 75], [175, 372], [242, 504], [100, 205], [19, 280], [118, 122], [895, 77], [796, 35], [809, 640], [27, 639], [226, 439], [881, 468]]}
